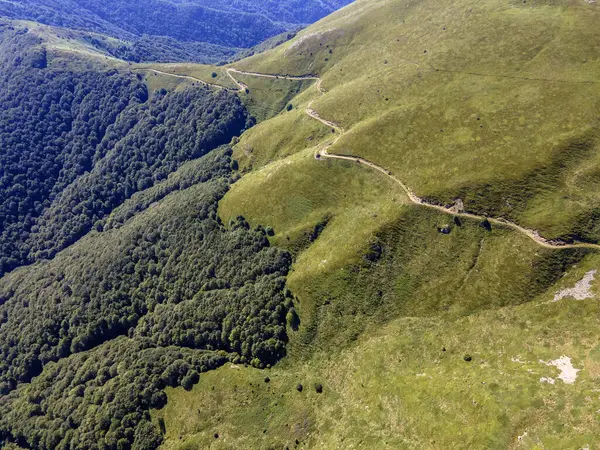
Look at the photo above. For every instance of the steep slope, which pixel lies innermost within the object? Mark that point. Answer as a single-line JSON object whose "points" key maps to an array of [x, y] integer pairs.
{"points": [[407, 385], [506, 121], [188, 25], [117, 278], [408, 326], [423, 329], [77, 144], [91, 338]]}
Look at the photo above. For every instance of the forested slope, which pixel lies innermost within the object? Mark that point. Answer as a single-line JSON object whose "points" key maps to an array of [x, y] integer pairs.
{"points": [[91, 338], [402, 326], [77, 144], [130, 282], [171, 30]]}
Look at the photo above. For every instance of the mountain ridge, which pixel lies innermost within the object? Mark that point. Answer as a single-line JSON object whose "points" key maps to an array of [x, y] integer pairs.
{"points": [[188, 25], [319, 284], [371, 269]]}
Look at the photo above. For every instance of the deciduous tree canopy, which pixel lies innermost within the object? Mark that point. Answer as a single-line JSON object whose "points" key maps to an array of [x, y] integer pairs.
{"points": [[134, 284], [89, 340], [76, 145]]}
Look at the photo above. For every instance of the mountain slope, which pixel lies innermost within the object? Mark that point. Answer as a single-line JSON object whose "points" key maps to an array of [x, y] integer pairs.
{"points": [[117, 277], [155, 300], [457, 115], [230, 25], [78, 144], [424, 330], [359, 318]]}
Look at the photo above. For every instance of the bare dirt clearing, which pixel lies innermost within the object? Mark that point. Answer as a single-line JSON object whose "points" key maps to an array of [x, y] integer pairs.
{"points": [[581, 290]]}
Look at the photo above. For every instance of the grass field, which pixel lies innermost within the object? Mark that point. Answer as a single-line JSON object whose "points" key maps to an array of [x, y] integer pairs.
{"points": [[404, 383], [270, 141], [274, 139], [492, 102], [268, 97], [376, 315], [66, 40], [363, 211]]}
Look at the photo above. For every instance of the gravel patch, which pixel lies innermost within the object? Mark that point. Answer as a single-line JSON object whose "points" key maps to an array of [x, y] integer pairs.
{"points": [[568, 373], [580, 291]]}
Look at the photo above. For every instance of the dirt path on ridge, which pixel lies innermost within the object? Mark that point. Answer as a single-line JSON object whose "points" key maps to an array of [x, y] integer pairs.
{"points": [[323, 153], [186, 77]]}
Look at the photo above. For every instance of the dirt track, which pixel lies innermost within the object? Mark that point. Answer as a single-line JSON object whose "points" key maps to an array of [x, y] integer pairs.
{"points": [[323, 153], [186, 77]]}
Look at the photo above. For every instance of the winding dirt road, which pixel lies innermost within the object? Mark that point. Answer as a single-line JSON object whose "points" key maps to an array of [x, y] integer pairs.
{"points": [[453, 211], [187, 77], [265, 75]]}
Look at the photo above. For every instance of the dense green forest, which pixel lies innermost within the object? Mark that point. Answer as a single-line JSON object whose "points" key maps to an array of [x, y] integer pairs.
{"points": [[109, 194], [77, 144], [151, 302], [166, 30]]}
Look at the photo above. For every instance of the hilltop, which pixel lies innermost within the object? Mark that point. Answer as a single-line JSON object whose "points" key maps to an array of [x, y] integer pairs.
{"points": [[458, 114]]}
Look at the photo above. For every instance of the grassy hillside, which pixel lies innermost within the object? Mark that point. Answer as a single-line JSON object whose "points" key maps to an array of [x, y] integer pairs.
{"points": [[401, 326], [388, 339], [423, 339], [398, 388], [123, 47], [494, 103]]}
